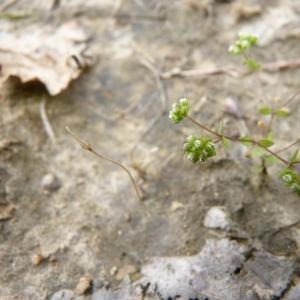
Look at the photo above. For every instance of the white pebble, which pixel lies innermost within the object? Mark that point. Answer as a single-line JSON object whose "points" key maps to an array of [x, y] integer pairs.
{"points": [[50, 182], [216, 218]]}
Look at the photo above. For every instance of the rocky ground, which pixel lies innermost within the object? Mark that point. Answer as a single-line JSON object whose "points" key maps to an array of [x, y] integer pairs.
{"points": [[71, 224]]}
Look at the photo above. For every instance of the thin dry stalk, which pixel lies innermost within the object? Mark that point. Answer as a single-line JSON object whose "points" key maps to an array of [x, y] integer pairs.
{"points": [[87, 146], [46, 122], [234, 71]]}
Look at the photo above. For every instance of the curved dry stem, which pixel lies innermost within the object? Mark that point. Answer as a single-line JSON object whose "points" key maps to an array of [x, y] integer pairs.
{"points": [[289, 146], [87, 146]]}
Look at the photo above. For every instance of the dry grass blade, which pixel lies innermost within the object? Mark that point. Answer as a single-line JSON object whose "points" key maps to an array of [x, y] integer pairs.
{"points": [[46, 122]]}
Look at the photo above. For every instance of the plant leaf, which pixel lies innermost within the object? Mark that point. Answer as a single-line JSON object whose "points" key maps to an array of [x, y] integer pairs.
{"points": [[258, 152], [248, 144], [226, 143], [283, 172], [257, 169], [281, 113], [271, 160], [265, 110], [266, 143], [220, 127], [294, 157], [270, 136]]}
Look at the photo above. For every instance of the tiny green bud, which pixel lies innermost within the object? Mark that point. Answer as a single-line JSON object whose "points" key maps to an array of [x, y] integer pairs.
{"points": [[179, 111], [244, 44], [291, 179], [250, 38], [289, 176], [234, 49], [199, 148]]}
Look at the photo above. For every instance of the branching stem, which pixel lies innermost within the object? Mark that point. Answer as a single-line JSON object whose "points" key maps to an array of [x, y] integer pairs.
{"points": [[244, 140]]}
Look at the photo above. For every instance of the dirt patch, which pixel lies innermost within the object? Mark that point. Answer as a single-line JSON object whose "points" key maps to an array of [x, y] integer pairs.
{"points": [[83, 219]]}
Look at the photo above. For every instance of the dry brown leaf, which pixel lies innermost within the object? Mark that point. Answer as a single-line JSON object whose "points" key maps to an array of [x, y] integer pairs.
{"points": [[54, 56]]}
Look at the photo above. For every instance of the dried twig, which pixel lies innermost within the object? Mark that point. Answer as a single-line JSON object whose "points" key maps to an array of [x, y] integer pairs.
{"points": [[87, 146], [234, 71]]}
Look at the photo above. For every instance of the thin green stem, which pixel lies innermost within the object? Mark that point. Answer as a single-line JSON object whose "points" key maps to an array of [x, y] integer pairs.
{"points": [[246, 57], [270, 123], [87, 146], [205, 128], [243, 140], [217, 141]]}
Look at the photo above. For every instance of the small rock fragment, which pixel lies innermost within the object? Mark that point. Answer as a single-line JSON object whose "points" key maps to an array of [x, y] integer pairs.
{"points": [[127, 217], [36, 259], [175, 205], [216, 218], [124, 271], [113, 271], [263, 294], [50, 182], [243, 11], [83, 286], [6, 211]]}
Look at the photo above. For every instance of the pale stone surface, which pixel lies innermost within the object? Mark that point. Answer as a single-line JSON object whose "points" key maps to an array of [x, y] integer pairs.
{"points": [[216, 218]]}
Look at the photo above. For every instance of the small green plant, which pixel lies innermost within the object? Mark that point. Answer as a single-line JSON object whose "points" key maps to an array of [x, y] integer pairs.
{"points": [[202, 148]]}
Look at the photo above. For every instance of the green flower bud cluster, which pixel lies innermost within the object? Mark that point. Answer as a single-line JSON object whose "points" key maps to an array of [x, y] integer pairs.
{"points": [[291, 179], [199, 148], [245, 42], [179, 111]]}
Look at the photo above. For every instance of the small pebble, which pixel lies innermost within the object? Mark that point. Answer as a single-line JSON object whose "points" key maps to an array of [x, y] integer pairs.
{"points": [[216, 218], [83, 286], [264, 294], [124, 271], [127, 217], [113, 271], [50, 182], [175, 205], [36, 259]]}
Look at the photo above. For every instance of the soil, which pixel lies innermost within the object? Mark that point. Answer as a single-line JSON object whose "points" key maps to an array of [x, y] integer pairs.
{"points": [[68, 217]]}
